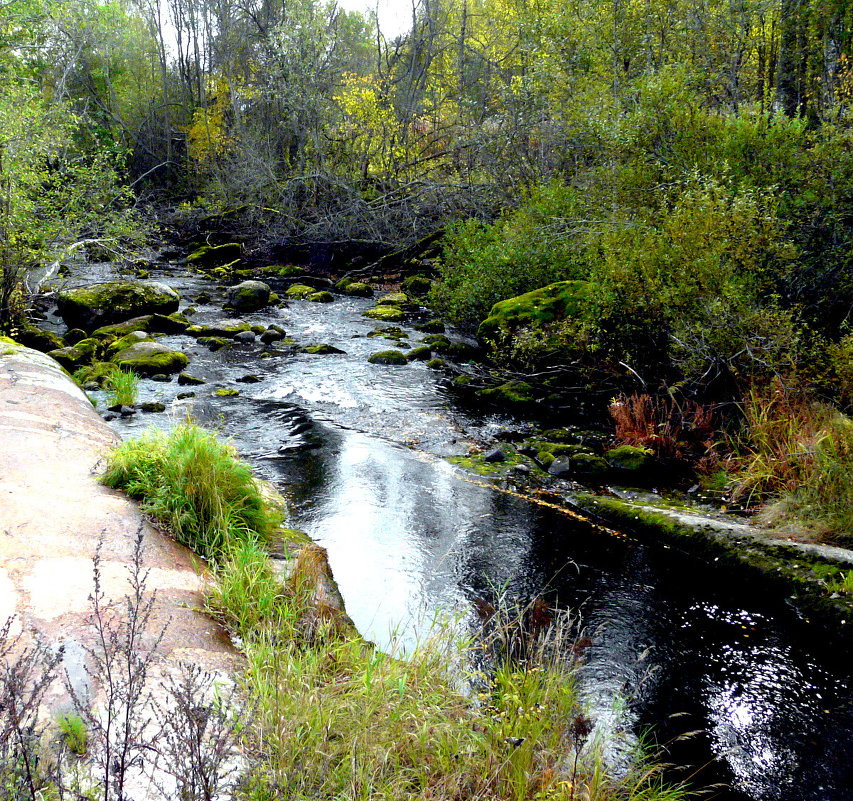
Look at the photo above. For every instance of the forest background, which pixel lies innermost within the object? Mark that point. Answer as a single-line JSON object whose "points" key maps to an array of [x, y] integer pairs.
{"points": [[687, 166]]}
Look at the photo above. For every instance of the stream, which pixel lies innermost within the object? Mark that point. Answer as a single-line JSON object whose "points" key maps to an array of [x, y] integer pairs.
{"points": [[360, 451]]}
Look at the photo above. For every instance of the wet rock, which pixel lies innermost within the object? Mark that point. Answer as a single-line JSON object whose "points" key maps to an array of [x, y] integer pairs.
{"points": [[521, 468], [512, 393], [436, 364], [389, 332], [495, 455], [73, 357], [323, 296], [209, 256], [248, 296], [257, 329], [185, 395], [161, 377], [299, 292], [152, 406], [561, 468], [416, 285], [245, 337], [73, 336], [249, 379], [226, 393], [109, 416], [185, 379], [358, 289], [213, 343], [421, 353], [101, 304], [271, 335], [148, 358], [221, 328], [631, 459], [430, 327], [399, 299], [126, 341], [388, 357], [322, 349], [203, 298], [389, 314], [127, 411], [44, 341]]}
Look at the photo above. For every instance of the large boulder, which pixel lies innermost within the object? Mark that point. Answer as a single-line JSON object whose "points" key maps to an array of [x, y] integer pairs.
{"points": [[248, 296], [101, 304], [150, 358], [564, 299]]}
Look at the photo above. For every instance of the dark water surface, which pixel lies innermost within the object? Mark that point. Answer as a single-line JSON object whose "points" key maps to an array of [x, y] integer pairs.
{"points": [[678, 645]]}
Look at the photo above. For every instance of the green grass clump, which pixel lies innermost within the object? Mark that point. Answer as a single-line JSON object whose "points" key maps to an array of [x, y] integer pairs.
{"points": [[72, 727], [196, 485], [123, 386]]}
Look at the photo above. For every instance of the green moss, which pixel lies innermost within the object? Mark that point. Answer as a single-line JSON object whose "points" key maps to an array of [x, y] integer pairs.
{"points": [[321, 297], [358, 289], [209, 256], [438, 342], [101, 304], [462, 381], [185, 379], [476, 463], [149, 358], [126, 341], [393, 299], [588, 464], [416, 285], [321, 349], [299, 292], [98, 373], [430, 327], [213, 343], [388, 357], [629, 457], [390, 314], [226, 393], [436, 364], [512, 393], [288, 270], [534, 309], [392, 332], [421, 353], [221, 329]]}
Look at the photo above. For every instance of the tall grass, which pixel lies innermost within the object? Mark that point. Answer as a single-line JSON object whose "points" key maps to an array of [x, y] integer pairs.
{"points": [[799, 449], [123, 386], [196, 485]]}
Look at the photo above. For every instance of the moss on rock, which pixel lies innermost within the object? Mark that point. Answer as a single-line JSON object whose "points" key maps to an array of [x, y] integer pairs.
{"points": [[358, 289], [512, 393], [324, 296], [535, 309], [388, 314], [416, 285], [101, 304], [322, 349], [422, 353], [248, 296], [388, 357], [208, 256], [299, 292], [630, 458], [149, 358]]}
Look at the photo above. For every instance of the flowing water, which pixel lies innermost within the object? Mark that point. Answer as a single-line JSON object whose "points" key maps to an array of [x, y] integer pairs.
{"points": [[677, 644]]}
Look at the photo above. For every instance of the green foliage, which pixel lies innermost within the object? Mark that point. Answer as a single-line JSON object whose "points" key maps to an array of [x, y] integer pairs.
{"points": [[123, 386], [74, 731], [196, 485]]}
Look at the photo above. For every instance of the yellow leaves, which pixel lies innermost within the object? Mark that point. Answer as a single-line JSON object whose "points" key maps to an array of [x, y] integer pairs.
{"points": [[208, 136]]}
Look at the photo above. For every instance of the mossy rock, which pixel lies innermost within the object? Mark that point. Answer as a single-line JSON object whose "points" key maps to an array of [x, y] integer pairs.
{"points": [[438, 342], [462, 381], [248, 296], [222, 328], [392, 332], [209, 256], [512, 393], [587, 465], [271, 335], [226, 393], [31, 337], [416, 285], [343, 284], [185, 379], [73, 336], [388, 357], [422, 353], [275, 300], [358, 289], [388, 314], [323, 296], [299, 292], [629, 458], [101, 304], [393, 299], [289, 271], [213, 343], [430, 327], [98, 373], [322, 349], [71, 357], [149, 358], [564, 299], [127, 341], [436, 364], [152, 406]]}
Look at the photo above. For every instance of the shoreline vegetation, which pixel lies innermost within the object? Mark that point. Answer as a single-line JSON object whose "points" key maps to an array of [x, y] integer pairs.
{"points": [[333, 716]]}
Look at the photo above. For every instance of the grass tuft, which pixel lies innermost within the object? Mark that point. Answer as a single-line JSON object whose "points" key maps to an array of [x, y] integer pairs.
{"points": [[124, 387], [196, 485]]}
